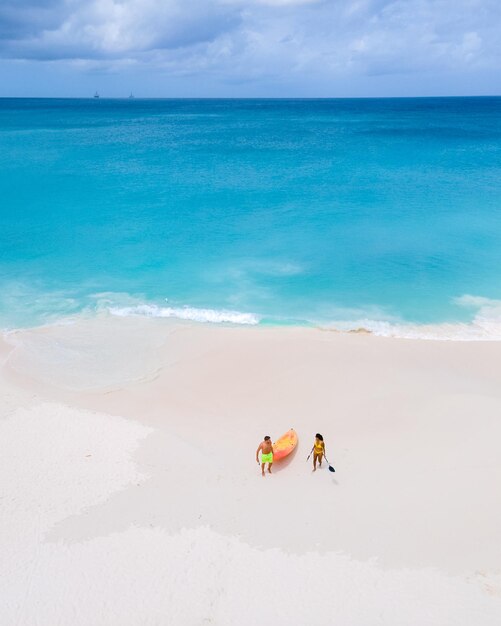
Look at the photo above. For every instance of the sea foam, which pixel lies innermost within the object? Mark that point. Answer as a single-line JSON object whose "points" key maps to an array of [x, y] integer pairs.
{"points": [[473, 331], [485, 324], [212, 316]]}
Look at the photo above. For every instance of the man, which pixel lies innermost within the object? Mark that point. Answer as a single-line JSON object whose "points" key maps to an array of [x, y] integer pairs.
{"points": [[266, 448]]}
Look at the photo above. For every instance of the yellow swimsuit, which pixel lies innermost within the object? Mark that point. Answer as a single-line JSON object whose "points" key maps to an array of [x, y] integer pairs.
{"points": [[318, 447]]}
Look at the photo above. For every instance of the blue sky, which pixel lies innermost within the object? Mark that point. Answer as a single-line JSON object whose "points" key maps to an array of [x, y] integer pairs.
{"points": [[234, 48]]}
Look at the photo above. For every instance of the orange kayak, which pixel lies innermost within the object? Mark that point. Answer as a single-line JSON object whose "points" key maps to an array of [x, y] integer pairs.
{"points": [[285, 445]]}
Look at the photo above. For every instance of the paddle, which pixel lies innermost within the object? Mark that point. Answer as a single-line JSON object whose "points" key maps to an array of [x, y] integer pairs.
{"points": [[309, 455], [331, 469]]}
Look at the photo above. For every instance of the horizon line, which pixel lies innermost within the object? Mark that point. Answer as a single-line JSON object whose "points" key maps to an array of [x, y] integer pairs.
{"points": [[91, 97]]}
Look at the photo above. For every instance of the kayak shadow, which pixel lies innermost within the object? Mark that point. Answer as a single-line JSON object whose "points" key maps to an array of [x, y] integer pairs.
{"points": [[284, 463]]}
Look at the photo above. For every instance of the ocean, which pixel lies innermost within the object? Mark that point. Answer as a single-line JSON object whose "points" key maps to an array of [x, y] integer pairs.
{"points": [[382, 214]]}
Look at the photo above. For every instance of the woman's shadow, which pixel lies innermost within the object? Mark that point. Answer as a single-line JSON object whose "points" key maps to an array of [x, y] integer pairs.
{"points": [[284, 463]]}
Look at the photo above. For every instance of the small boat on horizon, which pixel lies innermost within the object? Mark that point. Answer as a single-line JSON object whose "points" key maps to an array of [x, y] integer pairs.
{"points": [[96, 95], [131, 97]]}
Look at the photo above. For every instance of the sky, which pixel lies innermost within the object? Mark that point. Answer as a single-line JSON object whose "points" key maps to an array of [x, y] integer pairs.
{"points": [[250, 48]]}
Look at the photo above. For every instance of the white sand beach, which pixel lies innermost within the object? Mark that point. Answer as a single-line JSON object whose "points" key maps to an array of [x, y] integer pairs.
{"points": [[131, 495]]}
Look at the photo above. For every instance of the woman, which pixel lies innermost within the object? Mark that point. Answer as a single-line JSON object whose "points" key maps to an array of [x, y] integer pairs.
{"points": [[318, 451]]}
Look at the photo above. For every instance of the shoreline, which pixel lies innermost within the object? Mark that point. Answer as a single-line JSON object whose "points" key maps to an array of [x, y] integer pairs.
{"points": [[482, 327]]}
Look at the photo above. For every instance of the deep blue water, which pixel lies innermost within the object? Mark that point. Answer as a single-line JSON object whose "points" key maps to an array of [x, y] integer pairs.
{"points": [[298, 210]]}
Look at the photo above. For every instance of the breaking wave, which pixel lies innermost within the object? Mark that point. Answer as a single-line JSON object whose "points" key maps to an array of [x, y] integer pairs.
{"points": [[212, 316], [485, 324]]}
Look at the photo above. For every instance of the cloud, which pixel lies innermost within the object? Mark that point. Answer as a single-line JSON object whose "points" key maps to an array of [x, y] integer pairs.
{"points": [[21, 19], [264, 41], [110, 28]]}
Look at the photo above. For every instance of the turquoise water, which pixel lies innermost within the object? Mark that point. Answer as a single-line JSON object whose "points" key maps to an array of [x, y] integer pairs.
{"points": [[289, 211]]}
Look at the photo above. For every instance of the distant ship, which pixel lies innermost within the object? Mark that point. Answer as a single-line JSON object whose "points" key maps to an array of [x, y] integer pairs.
{"points": [[96, 95], [131, 97]]}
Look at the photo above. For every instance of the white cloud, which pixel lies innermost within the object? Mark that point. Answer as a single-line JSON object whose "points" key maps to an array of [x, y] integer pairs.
{"points": [[260, 40], [109, 28]]}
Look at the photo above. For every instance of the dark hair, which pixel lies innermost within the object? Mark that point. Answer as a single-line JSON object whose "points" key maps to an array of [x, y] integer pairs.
{"points": [[319, 436], [267, 438]]}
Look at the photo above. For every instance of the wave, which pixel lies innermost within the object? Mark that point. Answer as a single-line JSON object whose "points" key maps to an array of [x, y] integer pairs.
{"points": [[484, 326], [483, 315], [212, 316], [435, 332]]}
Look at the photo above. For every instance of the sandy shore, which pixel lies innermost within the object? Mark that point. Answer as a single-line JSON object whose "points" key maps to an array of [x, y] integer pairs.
{"points": [[131, 495]]}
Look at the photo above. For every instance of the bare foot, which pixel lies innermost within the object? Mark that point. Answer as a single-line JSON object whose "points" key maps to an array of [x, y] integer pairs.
{"points": [[314, 469], [269, 471], [262, 473]]}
